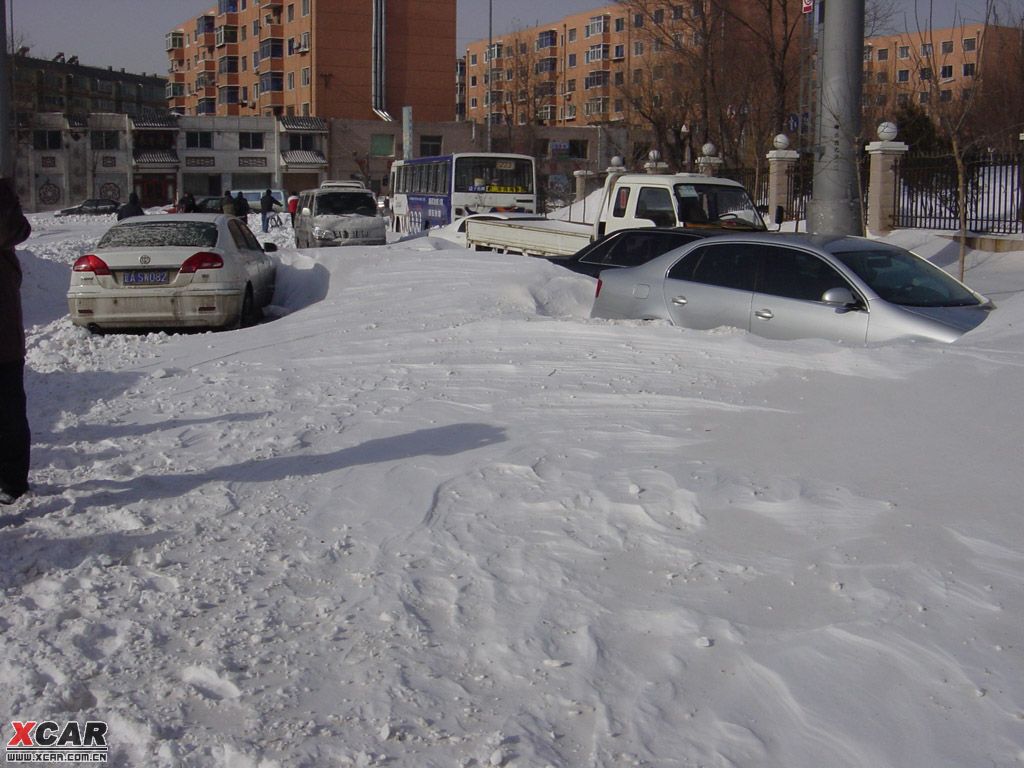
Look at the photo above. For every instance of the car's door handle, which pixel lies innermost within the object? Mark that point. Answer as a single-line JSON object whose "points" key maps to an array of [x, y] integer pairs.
{"points": [[679, 301], [764, 314]]}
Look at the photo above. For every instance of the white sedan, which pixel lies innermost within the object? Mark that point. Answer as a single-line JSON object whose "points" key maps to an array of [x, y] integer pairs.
{"points": [[175, 271]]}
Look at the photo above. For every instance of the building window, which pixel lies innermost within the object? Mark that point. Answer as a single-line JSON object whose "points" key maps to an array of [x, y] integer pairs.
{"points": [[638, 48], [946, 73], [970, 44], [659, 16], [250, 140], [947, 47], [925, 73], [969, 69], [620, 24], [596, 53], [927, 49], [549, 64], [881, 77], [227, 94], [305, 109], [291, 81], [199, 139], [46, 140], [291, 11], [923, 97], [472, 81], [903, 76], [547, 39], [472, 59], [883, 54], [473, 103], [572, 35], [946, 95], [303, 141], [620, 51], [572, 60], [638, 20], [430, 146], [272, 82], [306, 75], [597, 25], [570, 86], [105, 140], [272, 48], [382, 145], [305, 7], [903, 52]]}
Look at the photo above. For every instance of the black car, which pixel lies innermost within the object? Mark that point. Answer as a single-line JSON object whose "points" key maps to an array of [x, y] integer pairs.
{"points": [[630, 248], [210, 205], [92, 207]]}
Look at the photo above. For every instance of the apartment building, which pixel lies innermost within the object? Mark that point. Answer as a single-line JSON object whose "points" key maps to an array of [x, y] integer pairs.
{"points": [[355, 59], [62, 84], [933, 66]]}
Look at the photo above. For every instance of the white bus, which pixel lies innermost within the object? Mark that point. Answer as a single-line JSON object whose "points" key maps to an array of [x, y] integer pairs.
{"points": [[430, 191]]}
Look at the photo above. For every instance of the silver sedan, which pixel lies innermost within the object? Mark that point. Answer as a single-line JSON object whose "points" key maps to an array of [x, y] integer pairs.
{"points": [[795, 286], [175, 271]]}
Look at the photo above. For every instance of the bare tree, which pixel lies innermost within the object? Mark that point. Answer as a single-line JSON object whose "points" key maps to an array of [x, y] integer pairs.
{"points": [[951, 111]]}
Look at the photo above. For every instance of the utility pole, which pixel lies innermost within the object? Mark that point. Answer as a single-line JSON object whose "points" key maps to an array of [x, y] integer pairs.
{"points": [[6, 153], [835, 206]]}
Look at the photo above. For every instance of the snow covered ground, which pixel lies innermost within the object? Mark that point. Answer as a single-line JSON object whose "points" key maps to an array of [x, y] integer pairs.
{"points": [[434, 515]]}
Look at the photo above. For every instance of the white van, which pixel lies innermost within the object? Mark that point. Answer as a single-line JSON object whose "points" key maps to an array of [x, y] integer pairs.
{"points": [[338, 216]]}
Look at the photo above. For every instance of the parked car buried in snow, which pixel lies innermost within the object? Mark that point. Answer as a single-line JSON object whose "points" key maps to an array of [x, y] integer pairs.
{"points": [[93, 207], [795, 286], [338, 216], [174, 271]]}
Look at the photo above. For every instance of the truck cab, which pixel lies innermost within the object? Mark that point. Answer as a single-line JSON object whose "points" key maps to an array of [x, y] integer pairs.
{"points": [[676, 200]]}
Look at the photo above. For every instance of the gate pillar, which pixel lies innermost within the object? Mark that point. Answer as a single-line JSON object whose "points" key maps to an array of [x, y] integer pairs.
{"points": [[884, 154], [780, 161]]}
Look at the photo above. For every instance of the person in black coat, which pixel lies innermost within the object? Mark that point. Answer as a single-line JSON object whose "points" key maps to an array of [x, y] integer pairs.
{"points": [[131, 208], [267, 205], [15, 437], [241, 206]]}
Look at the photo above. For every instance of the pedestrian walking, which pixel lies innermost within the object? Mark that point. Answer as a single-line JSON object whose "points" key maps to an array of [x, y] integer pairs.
{"points": [[15, 437], [241, 206], [293, 206], [267, 205]]}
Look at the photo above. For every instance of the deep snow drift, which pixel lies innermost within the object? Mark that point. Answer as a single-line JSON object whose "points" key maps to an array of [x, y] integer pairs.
{"points": [[434, 515]]}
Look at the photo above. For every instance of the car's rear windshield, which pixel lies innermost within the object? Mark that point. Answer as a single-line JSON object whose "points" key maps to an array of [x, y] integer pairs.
{"points": [[900, 277], [341, 203], [161, 234]]}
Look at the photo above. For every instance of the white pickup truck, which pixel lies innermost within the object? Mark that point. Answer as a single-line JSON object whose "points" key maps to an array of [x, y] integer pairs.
{"points": [[628, 200]]}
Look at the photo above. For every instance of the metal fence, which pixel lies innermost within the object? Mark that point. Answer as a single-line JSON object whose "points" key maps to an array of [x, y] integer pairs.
{"points": [[927, 197]]}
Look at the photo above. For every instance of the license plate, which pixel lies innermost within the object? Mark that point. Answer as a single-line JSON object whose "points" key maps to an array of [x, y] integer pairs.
{"points": [[144, 277]]}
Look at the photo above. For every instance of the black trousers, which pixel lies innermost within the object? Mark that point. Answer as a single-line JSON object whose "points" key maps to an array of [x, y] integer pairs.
{"points": [[15, 437]]}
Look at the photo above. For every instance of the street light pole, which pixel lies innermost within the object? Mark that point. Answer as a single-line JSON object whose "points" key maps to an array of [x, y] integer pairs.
{"points": [[490, 65], [6, 153]]}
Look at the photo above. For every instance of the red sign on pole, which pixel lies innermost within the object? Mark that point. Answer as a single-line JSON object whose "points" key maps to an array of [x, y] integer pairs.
{"points": [[808, 6]]}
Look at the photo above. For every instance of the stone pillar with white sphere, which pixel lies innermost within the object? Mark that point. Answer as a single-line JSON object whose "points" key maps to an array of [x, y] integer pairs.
{"points": [[780, 161], [654, 163], [884, 154], [709, 163]]}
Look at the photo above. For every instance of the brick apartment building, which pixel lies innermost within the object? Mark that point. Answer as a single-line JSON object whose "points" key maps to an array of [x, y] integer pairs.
{"points": [[355, 59], [941, 64]]}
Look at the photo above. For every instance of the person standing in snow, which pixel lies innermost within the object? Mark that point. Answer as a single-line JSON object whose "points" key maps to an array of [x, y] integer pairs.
{"points": [[228, 203], [131, 208], [293, 206], [267, 205], [241, 207], [15, 437]]}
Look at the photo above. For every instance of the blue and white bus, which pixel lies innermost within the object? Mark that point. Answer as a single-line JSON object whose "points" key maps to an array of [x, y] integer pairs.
{"points": [[431, 191]]}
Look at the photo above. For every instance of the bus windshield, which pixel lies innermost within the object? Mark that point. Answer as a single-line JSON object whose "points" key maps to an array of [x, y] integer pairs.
{"points": [[489, 174], [717, 205]]}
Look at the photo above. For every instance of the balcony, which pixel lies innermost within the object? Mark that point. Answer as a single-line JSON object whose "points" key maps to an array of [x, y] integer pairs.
{"points": [[176, 54], [271, 3], [206, 39], [271, 99], [268, 31]]}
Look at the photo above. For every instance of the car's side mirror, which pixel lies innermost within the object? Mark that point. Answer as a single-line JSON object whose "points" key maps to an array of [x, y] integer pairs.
{"points": [[839, 297], [269, 247]]}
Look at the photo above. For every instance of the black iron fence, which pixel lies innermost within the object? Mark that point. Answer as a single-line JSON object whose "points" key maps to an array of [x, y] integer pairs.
{"points": [[927, 193]]}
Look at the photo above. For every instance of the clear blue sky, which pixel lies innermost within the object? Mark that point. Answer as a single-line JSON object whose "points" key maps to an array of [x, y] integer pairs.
{"points": [[130, 33]]}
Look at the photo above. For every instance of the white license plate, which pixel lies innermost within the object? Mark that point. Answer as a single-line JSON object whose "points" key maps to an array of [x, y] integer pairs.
{"points": [[145, 277]]}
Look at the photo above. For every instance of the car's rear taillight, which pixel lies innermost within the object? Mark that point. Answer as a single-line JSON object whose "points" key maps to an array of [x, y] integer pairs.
{"points": [[91, 263], [598, 291], [202, 260]]}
